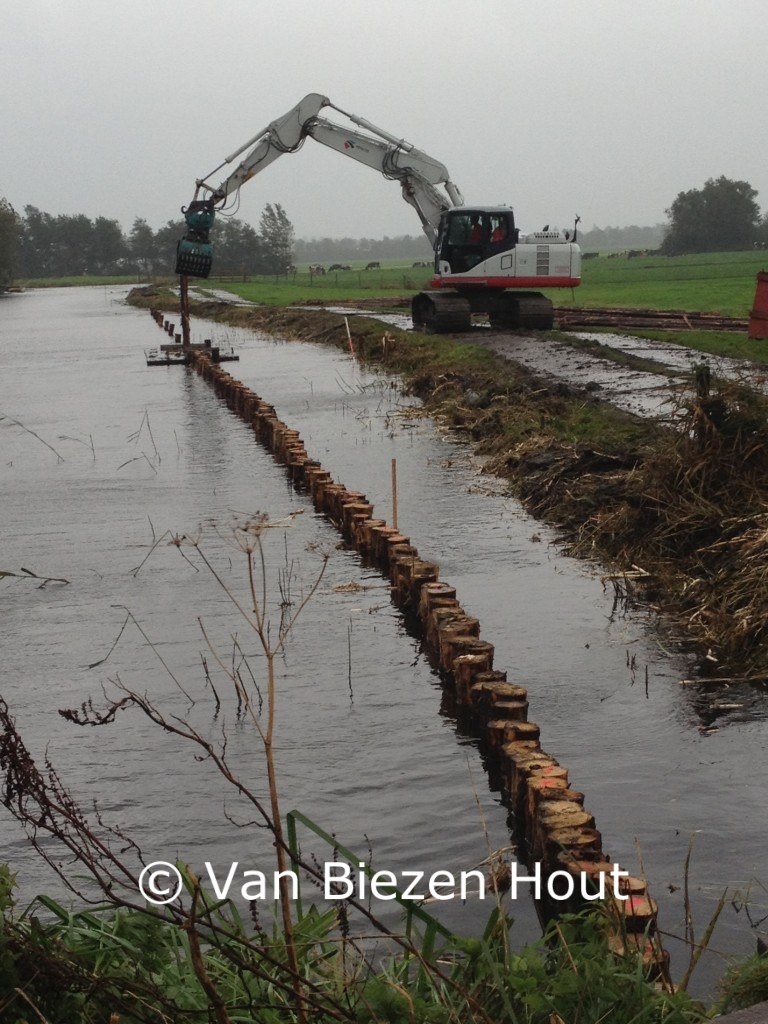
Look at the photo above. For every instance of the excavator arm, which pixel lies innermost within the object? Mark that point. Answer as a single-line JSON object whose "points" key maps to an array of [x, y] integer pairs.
{"points": [[419, 175]]}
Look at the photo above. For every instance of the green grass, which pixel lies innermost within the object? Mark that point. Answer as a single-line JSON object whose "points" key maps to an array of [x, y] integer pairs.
{"points": [[390, 281], [77, 281], [709, 282]]}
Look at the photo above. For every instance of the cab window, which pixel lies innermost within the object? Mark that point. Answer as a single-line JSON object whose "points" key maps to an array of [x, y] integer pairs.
{"points": [[466, 229]]}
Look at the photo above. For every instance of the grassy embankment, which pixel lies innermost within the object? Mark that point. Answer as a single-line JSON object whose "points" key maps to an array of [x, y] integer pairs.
{"points": [[84, 280], [685, 503]]}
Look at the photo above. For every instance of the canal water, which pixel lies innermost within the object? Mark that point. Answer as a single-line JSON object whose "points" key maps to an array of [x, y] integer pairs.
{"points": [[137, 486]]}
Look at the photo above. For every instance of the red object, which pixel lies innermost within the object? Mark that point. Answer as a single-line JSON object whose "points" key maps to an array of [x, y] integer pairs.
{"points": [[462, 280], [758, 317]]}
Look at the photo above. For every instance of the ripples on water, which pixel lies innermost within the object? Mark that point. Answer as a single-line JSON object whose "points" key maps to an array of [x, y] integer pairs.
{"points": [[362, 745]]}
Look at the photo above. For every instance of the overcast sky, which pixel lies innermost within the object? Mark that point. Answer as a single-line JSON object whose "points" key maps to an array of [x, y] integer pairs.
{"points": [[605, 108]]}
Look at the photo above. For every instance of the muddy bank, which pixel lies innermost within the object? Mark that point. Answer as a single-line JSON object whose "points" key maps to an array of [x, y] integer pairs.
{"points": [[676, 510]]}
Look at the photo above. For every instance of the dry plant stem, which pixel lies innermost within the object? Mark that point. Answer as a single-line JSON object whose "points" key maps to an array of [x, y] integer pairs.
{"points": [[273, 820], [27, 574], [18, 423], [131, 618], [19, 992], [215, 1001], [267, 735], [699, 947], [267, 739], [155, 542], [104, 865], [689, 936]]}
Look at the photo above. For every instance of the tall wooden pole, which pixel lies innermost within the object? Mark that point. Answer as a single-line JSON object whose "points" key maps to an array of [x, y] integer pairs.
{"points": [[394, 493], [184, 307]]}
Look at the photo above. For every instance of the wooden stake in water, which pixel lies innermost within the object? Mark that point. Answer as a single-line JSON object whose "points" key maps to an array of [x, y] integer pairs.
{"points": [[349, 339], [394, 493], [184, 307]]}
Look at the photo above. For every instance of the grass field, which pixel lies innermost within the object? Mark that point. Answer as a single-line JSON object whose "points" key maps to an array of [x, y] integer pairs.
{"points": [[711, 282], [708, 282]]}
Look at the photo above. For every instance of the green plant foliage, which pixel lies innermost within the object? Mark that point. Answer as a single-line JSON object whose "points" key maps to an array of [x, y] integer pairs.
{"points": [[80, 967], [744, 984], [9, 242], [722, 215]]}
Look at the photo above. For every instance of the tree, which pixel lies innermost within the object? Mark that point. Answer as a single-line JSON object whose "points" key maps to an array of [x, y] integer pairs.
{"points": [[166, 239], [238, 249], [142, 247], [722, 216], [278, 237], [72, 237], [37, 243], [9, 242], [108, 250]]}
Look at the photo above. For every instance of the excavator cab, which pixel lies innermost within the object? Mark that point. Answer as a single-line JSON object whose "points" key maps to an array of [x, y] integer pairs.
{"points": [[194, 252], [470, 236]]}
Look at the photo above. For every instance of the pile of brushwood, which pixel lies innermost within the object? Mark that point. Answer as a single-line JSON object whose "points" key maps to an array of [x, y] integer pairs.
{"points": [[678, 510]]}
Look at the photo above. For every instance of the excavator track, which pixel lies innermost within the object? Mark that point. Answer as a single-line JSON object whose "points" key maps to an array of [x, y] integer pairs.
{"points": [[526, 310], [441, 312], [451, 312]]}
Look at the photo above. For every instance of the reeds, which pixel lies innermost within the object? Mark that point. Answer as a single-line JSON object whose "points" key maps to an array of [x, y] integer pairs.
{"points": [[688, 515]]}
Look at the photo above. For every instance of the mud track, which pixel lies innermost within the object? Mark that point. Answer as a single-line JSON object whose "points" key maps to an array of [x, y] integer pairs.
{"points": [[652, 390]]}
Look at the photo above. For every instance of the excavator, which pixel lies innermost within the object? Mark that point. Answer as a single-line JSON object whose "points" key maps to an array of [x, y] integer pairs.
{"points": [[483, 263]]}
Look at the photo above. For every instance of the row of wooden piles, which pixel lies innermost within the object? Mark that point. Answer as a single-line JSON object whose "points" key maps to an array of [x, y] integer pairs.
{"points": [[557, 831]]}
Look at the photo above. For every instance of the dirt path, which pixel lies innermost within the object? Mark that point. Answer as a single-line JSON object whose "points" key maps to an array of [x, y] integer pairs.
{"points": [[634, 391], [642, 392]]}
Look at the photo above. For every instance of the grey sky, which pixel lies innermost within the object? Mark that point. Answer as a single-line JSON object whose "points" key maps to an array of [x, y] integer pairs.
{"points": [[605, 108]]}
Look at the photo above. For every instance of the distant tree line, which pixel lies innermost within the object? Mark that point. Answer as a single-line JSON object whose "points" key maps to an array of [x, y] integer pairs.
{"points": [[347, 250], [632, 237], [40, 245]]}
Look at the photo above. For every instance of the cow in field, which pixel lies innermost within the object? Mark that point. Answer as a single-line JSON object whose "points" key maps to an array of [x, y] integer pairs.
{"points": [[375, 265]]}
